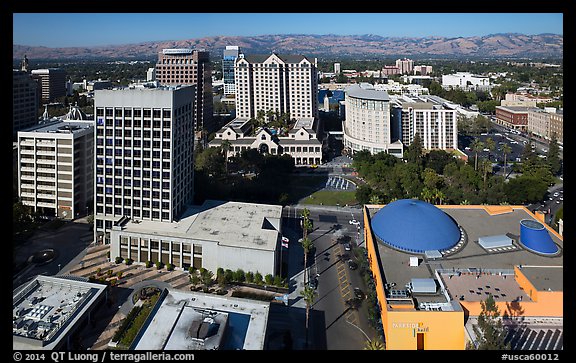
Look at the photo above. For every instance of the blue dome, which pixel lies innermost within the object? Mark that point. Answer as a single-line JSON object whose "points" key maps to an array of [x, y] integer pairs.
{"points": [[412, 225]]}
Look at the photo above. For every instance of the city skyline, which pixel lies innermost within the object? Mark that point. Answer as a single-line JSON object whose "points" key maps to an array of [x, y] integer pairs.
{"points": [[131, 28]]}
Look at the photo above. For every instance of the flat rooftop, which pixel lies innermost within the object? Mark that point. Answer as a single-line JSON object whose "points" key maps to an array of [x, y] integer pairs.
{"points": [[65, 127], [245, 323], [47, 308], [545, 272], [236, 224]]}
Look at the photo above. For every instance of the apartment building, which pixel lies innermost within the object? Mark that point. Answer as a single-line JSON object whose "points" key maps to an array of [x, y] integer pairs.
{"points": [[52, 82], [56, 168], [405, 65], [183, 66], [465, 81], [25, 101], [436, 125], [144, 154]]}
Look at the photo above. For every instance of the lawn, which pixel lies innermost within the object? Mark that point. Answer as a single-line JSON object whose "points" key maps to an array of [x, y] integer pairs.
{"points": [[325, 197]]}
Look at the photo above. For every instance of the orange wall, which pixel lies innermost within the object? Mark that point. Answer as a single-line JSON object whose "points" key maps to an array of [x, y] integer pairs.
{"points": [[525, 284], [443, 330]]}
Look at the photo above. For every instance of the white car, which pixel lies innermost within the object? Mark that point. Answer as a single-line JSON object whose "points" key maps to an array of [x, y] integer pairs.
{"points": [[556, 194], [354, 222], [285, 239]]}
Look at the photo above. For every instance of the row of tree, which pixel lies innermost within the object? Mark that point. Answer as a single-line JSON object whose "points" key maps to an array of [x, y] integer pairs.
{"points": [[438, 177]]}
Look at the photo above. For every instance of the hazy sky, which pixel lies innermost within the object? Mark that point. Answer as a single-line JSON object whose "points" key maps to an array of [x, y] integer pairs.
{"points": [[90, 29]]}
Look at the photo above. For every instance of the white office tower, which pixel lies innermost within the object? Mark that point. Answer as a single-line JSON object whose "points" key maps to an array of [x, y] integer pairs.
{"points": [[144, 155]]}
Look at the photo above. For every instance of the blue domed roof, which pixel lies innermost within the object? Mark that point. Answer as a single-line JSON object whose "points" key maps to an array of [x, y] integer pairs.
{"points": [[412, 225]]}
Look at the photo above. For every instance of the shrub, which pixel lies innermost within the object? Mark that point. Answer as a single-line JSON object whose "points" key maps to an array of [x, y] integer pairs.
{"points": [[249, 277], [119, 274], [113, 282], [191, 269], [128, 261], [159, 265], [118, 260], [239, 275], [98, 271], [169, 267], [148, 264], [269, 279], [278, 281], [258, 278], [109, 273]]}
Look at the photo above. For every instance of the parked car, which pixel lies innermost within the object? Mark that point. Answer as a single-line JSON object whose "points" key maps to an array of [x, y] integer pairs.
{"points": [[354, 222], [313, 283], [359, 294], [347, 246], [352, 265]]}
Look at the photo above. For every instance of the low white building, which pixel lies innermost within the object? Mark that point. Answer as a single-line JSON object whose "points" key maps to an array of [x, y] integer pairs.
{"points": [[231, 235], [465, 81], [301, 142]]}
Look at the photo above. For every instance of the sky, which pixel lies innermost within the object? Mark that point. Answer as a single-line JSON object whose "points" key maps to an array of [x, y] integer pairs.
{"points": [[95, 29]]}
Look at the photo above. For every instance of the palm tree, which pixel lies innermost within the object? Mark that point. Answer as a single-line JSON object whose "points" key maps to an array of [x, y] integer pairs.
{"points": [[485, 167], [305, 222], [307, 245], [225, 146], [490, 145], [260, 117], [427, 194], [477, 145], [506, 149], [309, 295], [375, 199], [374, 345], [438, 194]]}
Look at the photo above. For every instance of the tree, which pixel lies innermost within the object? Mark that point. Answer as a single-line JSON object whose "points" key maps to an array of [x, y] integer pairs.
{"points": [[373, 345], [375, 199], [506, 149], [490, 331], [490, 145], [485, 168], [307, 246], [225, 147], [553, 155], [206, 277], [309, 295], [476, 146], [414, 152], [427, 195], [363, 194]]}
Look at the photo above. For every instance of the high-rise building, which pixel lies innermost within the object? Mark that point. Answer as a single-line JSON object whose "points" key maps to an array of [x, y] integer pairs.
{"points": [[52, 83], [25, 101], [182, 66], [286, 84], [436, 126], [144, 154], [405, 65], [230, 54], [336, 68], [367, 125], [56, 166]]}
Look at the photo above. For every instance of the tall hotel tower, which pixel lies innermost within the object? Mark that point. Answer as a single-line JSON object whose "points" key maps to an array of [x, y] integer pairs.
{"points": [[182, 66], [278, 83], [144, 155]]}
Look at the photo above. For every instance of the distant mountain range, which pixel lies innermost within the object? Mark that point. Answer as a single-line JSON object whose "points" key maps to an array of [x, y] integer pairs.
{"points": [[511, 45]]}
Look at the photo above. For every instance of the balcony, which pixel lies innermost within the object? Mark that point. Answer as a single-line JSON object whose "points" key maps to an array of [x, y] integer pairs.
{"points": [[47, 205], [46, 170], [27, 160], [40, 187], [27, 152], [47, 196], [46, 161], [44, 178], [51, 153], [26, 168]]}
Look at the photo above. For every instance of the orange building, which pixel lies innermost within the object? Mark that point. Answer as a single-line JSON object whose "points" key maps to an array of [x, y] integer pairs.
{"points": [[433, 265]]}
